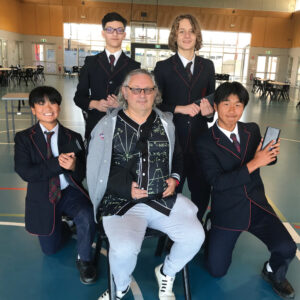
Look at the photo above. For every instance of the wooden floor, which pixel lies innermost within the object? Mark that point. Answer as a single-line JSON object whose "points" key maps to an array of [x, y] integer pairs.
{"points": [[27, 274]]}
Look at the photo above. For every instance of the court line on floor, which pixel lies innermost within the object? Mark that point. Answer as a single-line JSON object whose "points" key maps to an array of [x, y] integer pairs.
{"points": [[12, 215], [290, 140], [13, 224], [287, 225], [15, 189]]}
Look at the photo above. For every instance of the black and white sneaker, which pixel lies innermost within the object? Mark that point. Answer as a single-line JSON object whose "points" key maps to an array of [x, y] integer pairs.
{"points": [[165, 285], [119, 295]]}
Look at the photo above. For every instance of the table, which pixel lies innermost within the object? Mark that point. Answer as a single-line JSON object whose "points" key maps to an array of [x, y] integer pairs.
{"points": [[11, 97], [5, 69], [30, 67]]}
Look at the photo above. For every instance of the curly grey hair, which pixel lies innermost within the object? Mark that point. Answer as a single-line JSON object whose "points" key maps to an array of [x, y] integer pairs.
{"points": [[121, 99]]}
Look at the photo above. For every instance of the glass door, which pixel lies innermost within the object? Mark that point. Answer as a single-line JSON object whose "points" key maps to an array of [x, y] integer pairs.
{"points": [[45, 54], [3, 53], [267, 67], [149, 54]]}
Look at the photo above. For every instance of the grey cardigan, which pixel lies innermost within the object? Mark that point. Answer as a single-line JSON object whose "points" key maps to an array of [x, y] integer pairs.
{"points": [[100, 151]]}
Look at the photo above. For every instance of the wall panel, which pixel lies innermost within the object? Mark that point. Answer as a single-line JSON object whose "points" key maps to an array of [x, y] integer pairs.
{"points": [[42, 21], [46, 17], [10, 15], [278, 33], [28, 19]]}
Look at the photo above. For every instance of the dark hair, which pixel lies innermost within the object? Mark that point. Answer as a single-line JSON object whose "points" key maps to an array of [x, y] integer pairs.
{"points": [[174, 31], [38, 95], [113, 16], [231, 88]]}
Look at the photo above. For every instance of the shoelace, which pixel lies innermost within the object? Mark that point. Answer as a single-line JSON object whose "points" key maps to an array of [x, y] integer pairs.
{"points": [[166, 285]]}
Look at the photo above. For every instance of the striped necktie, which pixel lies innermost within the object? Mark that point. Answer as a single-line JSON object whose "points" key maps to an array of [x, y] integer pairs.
{"points": [[54, 182], [112, 62], [188, 70], [235, 143]]}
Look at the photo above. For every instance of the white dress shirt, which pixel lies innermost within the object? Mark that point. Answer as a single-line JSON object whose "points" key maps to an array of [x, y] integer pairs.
{"points": [[186, 61], [54, 148], [228, 133], [116, 55]]}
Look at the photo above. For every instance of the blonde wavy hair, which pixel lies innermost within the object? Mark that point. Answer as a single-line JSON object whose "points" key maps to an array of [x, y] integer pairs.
{"points": [[174, 31]]}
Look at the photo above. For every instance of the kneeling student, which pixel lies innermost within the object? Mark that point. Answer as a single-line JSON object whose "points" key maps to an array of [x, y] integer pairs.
{"points": [[230, 155], [51, 158]]}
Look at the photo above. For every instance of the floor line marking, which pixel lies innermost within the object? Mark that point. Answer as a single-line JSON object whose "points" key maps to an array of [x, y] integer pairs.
{"points": [[298, 254], [14, 189], [13, 224], [292, 232], [290, 140], [277, 211], [12, 215]]}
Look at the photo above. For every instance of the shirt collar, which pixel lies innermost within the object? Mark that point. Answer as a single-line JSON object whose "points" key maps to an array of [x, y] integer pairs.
{"points": [[186, 61], [116, 55], [55, 129], [228, 133]]}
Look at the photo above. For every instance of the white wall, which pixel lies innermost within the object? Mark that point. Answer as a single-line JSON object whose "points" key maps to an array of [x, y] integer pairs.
{"points": [[295, 53], [28, 40], [283, 55]]}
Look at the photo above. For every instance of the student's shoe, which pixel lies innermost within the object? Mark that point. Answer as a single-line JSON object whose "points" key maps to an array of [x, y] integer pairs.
{"points": [[87, 271], [282, 288], [165, 285], [119, 294]]}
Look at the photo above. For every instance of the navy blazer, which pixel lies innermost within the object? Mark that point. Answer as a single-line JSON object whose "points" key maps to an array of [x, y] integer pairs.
{"points": [[32, 165], [234, 190], [96, 82], [172, 80]]}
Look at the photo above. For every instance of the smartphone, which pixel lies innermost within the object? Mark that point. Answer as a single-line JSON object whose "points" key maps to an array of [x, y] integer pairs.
{"points": [[209, 97], [270, 134]]}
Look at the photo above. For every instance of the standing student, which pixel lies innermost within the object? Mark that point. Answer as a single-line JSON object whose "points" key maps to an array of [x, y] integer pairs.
{"points": [[51, 158], [182, 79], [102, 74], [231, 156]]}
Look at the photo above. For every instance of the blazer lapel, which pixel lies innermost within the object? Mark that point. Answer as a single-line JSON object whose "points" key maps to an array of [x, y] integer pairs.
{"points": [[38, 139], [244, 140], [180, 70], [223, 141], [64, 137], [103, 62], [120, 65], [198, 67]]}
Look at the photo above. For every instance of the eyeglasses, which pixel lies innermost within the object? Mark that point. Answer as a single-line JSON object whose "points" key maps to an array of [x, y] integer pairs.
{"points": [[111, 30], [137, 91]]}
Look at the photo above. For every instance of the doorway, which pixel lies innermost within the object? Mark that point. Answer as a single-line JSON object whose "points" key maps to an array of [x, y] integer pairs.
{"points": [[45, 54], [267, 67]]}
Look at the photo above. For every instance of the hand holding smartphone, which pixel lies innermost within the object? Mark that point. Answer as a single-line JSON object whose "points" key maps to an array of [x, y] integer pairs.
{"points": [[270, 135]]}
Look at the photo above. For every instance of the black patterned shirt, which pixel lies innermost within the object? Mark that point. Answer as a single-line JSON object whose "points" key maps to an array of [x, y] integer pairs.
{"points": [[151, 167]]}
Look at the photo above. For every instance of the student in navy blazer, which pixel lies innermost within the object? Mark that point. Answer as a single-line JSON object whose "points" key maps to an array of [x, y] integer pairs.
{"points": [[61, 160], [102, 74], [182, 79], [230, 155]]}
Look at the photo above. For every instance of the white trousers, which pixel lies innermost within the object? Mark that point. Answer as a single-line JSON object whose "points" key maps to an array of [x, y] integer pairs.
{"points": [[126, 234]]}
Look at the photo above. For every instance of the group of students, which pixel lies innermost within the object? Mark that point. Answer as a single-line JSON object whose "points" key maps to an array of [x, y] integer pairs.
{"points": [[146, 133]]}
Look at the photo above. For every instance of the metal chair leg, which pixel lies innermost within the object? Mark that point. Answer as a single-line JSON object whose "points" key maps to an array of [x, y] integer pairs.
{"points": [[186, 283]]}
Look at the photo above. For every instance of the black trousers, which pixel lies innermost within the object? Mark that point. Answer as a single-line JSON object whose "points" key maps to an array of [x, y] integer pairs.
{"points": [[199, 188], [266, 227], [73, 204]]}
